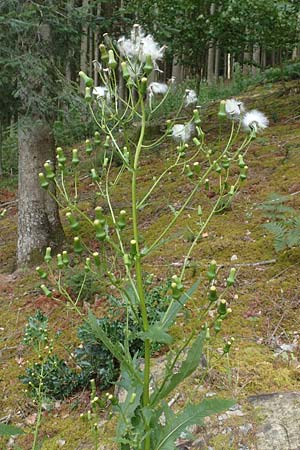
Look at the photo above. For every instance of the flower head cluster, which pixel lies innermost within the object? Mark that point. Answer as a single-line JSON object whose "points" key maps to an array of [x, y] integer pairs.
{"points": [[138, 47], [252, 121]]}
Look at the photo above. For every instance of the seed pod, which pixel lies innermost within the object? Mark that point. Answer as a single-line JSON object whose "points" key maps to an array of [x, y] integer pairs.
{"points": [[100, 230], [97, 139], [88, 147], [99, 215], [104, 54], [60, 156], [96, 259], [121, 223], [125, 71], [196, 117], [212, 294], [196, 167], [49, 171], [65, 258], [222, 308], [143, 86], [88, 95]]}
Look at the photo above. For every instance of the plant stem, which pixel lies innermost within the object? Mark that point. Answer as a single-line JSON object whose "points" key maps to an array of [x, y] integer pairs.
{"points": [[138, 270]]}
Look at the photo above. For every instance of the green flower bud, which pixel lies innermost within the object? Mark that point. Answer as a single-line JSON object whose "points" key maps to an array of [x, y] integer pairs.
{"points": [[231, 278], [196, 142], [189, 172], [75, 159], [107, 142], [122, 220], [60, 156], [125, 71], [112, 63], [212, 294], [49, 171], [212, 270], [65, 258], [228, 345], [48, 257], [218, 168], [100, 230], [43, 181], [206, 184], [231, 191], [88, 147], [72, 221], [148, 67], [225, 162], [222, 111], [96, 259], [143, 86], [78, 249], [41, 273], [97, 139], [94, 175], [196, 117], [196, 167], [207, 334], [217, 326], [241, 162], [60, 263], [88, 95], [104, 54], [46, 291], [222, 308], [87, 266], [244, 173], [133, 247], [87, 80]]}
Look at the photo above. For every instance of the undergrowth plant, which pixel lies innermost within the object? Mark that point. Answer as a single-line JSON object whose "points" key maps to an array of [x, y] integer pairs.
{"points": [[118, 253], [283, 221]]}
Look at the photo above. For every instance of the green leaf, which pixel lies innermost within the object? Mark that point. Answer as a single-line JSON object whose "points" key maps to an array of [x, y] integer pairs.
{"points": [[156, 334], [116, 349], [191, 415], [9, 430], [175, 306], [188, 366]]}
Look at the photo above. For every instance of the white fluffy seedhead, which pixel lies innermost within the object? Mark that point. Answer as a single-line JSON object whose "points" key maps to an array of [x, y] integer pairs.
{"points": [[255, 120], [234, 108], [190, 98], [182, 132]]}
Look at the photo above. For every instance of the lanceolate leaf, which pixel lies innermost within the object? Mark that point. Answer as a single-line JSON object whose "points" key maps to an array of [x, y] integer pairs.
{"points": [[188, 366], [175, 306], [9, 430], [115, 348], [191, 415]]}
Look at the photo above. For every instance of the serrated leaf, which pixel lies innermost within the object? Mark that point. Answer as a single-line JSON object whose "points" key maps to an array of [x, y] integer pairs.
{"points": [[188, 366], [9, 430], [191, 415], [156, 334], [175, 306]]}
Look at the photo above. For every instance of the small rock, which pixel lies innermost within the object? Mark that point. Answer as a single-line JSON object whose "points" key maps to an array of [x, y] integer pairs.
{"points": [[233, 258], [223, 417], [245, 429], [61, 442]]}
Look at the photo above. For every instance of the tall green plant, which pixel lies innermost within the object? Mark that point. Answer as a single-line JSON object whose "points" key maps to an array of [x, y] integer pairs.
{"points": [[145, 419]]}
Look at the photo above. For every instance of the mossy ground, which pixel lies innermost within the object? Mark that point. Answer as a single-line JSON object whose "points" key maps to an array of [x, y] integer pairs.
{"points": [[265, 312]]}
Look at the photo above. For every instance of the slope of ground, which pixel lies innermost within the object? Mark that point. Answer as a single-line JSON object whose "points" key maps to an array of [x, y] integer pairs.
{"points": [[265, 310]]}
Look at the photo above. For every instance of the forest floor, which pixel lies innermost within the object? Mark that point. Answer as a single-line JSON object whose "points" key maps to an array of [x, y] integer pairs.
{"points": [[265, 302]]}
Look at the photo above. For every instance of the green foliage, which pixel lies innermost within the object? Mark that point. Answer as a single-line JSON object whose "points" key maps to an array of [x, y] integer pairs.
{"points": [[59, 381], [284, 221], [9, 430], [82, 285], [9, 150]]}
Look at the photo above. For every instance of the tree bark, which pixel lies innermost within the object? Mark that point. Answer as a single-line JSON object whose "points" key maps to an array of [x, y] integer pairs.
{"points": [[211, 54], [38, 218], [84, 46]]}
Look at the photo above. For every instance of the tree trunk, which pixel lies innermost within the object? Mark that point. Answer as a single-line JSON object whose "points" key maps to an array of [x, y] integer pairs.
{"points": [[38, 218], [84, 45], [177, 71], [211, 54], [217, 63], [256, 60]]}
